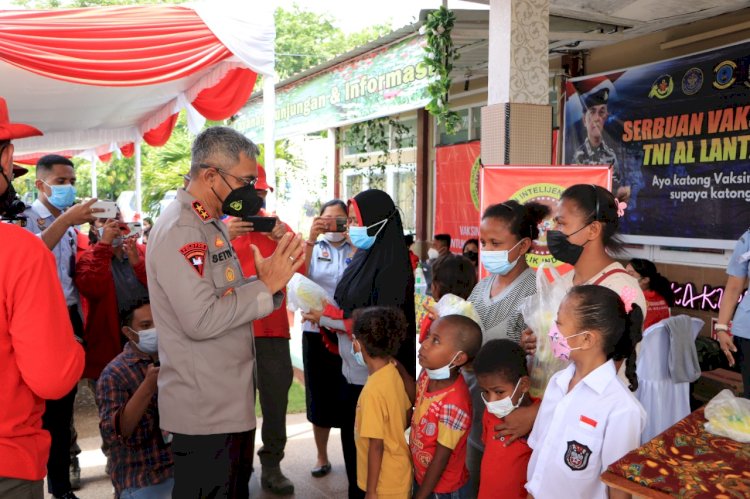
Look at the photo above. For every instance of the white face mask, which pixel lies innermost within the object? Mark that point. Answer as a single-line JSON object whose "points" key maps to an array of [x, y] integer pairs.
{"points": [[442, 372], [432, 253], [334, 237], [148, 340], [503, 407]]}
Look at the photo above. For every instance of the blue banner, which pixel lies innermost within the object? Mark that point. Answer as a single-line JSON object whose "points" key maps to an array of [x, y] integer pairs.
{"points": [[676, 133]]}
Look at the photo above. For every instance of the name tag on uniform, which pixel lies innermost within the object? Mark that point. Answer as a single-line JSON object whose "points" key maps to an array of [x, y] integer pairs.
{"points": [[325, 256], [323, 259], [587, 422]]}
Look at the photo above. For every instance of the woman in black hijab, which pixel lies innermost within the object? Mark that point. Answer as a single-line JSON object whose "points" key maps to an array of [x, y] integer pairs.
{"points": [[379, 274]]}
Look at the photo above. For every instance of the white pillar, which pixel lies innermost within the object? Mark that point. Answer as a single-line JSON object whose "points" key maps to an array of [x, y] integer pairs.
{"points": [[269, 136], [138, 187], [518, 52], [93, 176]]}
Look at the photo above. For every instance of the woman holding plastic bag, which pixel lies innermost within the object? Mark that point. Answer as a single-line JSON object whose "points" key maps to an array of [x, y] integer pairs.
{"points": [[586, 235], [327, 253], [379, 275], [507, 231]]}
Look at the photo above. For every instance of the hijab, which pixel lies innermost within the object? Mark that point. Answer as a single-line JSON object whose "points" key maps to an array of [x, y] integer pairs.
{"points": [[382, 275]]}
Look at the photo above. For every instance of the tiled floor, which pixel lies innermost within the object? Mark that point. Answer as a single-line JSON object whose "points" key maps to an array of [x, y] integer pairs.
{"points": [[299, 459]]}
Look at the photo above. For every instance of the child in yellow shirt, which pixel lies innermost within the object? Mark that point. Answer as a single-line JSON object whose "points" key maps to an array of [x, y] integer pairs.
{"points": [[383, 458]]}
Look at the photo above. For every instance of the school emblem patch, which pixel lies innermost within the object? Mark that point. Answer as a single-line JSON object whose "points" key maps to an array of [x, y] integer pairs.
{"points": [[200, 211], [577, 456], [195, 254]]}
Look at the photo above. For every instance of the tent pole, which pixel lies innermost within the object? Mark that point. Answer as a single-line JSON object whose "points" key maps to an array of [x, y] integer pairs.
{"points": [[93, 176], [269, 139], [138, 188]]}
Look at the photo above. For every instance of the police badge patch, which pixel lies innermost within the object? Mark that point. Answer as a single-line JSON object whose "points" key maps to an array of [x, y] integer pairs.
{"points": [[195, 254], [577, 456]]}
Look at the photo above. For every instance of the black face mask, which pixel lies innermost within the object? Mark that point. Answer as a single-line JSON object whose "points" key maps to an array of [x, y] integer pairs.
{"points": [[10, 205], [241, 202], [473, 256], [562, 249]]}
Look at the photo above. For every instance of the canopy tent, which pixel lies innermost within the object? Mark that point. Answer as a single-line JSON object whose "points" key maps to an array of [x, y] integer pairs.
{"points": [[95, 80]]}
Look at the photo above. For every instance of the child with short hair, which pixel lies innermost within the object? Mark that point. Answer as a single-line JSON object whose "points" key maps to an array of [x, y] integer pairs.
{"points": [[442, 414], [588, 419], [503, 378], [383, 462]]}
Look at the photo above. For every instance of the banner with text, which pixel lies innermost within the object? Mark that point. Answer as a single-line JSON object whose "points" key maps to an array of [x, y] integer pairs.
{"points": [[541, 184], [457, 193], [386, 81], [676, 133]]}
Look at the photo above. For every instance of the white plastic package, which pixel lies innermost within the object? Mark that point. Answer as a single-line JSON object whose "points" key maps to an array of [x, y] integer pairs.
{"points": [[451, 304], [304, 294], [729, 416], [538, 312]]}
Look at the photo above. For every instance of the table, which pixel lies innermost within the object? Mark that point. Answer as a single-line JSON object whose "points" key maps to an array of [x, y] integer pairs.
{"points": [[684, 461]]}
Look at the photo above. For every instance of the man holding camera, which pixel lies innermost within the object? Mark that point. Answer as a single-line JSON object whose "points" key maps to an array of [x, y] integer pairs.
{"points": [[275, 372], [204, 308]]}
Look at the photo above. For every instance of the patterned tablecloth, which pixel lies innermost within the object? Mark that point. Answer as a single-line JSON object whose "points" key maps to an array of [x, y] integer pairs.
{"points": [[688, 462]]}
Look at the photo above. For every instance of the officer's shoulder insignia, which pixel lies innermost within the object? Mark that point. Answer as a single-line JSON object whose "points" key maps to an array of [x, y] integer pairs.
{"points": [[577, 456], [195, 254], [200, 211]]}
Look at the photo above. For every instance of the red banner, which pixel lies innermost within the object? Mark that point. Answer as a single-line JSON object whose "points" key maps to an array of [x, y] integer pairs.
{"points": [[542, 184], [457, 193]]}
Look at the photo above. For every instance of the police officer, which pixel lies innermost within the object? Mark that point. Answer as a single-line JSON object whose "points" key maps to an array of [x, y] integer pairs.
{"points": [[594, 151], [203, 308]]}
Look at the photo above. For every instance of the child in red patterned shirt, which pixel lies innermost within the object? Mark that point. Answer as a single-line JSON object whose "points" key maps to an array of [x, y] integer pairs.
{"points": [[503, 378], [442, 413]]}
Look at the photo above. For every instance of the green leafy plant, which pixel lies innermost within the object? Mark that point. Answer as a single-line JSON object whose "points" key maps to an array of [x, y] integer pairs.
{"points": [[370, 141], [440, 56]]}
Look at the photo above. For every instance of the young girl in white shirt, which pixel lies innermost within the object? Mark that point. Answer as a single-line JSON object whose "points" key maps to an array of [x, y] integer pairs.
{"points": [[588, 418]]}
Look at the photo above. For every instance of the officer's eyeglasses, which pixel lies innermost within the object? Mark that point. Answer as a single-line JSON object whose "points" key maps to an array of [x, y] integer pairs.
{"points": [[245, 181]]}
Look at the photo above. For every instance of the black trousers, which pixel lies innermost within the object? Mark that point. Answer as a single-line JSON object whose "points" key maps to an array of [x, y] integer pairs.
{"points": [[58, 420], [743, 359], [347, 439], [212, 466]]}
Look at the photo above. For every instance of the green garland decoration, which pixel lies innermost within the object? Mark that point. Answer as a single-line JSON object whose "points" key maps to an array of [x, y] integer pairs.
{"points": [[439, 58], [371, 143]]}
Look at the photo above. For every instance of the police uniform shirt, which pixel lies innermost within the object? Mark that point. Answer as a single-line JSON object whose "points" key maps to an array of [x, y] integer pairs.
{"points": [[38, 219], [203, 308], [327, 265], [739, 266], [578, 434]]}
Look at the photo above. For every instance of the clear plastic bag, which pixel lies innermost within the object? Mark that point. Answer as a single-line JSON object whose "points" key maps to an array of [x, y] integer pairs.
{"points": [[451, 304], [538, 312], [304, 294], [729, 416]]}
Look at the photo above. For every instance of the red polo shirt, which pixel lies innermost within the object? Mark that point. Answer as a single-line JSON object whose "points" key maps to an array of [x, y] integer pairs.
{"points": [[275, 325], [39, 357]]}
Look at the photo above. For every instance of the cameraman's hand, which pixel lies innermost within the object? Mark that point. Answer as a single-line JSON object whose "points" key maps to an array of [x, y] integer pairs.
{"points": [[110, 232], [81, 213], [237, 227], [319, 226], [278, 231], [276, 270]]}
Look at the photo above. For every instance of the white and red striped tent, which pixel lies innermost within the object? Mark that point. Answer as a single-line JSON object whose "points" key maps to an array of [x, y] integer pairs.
{"points": [[99, 79]]}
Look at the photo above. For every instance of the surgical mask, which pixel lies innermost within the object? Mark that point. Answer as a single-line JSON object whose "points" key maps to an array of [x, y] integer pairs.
{"points": [[442, 372], [334, 237], [432, 253], [361, 239], [62, 196], [148, 341], [240, 202], [501, 408], [561, 248], [358, 358], [560, 347], [496, 262]]}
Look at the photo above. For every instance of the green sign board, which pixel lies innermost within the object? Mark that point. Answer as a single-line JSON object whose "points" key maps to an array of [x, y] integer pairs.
{"points": [[386, 81]]}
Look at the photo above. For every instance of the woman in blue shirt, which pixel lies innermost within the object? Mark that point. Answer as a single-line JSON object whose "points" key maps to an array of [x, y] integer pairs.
{"points": [[325, 385], [735, 341]]}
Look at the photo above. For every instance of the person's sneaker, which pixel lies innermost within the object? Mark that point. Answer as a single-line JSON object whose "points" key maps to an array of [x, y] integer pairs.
{"points": [[75, 474], [274, 481], [67, 495]]}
